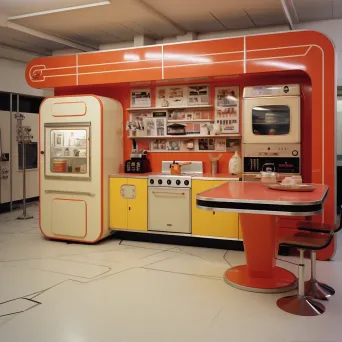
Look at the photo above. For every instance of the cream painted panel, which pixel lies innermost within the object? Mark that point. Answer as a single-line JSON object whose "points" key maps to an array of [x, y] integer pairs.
{"points": [[69, 217], [112, 149], [78, 108]]}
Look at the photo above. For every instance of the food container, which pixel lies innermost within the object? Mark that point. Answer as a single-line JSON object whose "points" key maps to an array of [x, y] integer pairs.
{"points": [[59, 165], [176, 129], [269, 177]]}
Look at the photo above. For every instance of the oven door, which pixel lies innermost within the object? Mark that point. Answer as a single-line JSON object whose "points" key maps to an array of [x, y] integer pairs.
{"points": [[271, 120], [169, 210]]}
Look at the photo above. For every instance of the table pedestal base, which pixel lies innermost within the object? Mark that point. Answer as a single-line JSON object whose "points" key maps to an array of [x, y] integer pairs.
{"points": [[281, 280]]}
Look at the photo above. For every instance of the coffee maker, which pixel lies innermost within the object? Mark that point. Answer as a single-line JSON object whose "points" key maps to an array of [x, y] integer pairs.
{"points": [[138, 162]]}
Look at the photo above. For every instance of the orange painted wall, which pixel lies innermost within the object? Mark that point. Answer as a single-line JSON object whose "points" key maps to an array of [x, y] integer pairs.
{"points": [[122, 94]]}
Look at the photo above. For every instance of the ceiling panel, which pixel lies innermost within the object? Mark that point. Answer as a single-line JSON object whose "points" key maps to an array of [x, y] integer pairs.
{"points": [[311, 10], [18, 7], [337, 9], [272, 15], [27, 42]]}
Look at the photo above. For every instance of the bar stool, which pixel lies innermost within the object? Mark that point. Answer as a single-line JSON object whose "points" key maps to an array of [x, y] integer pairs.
{"points": [[301, 304], [314, 288]]}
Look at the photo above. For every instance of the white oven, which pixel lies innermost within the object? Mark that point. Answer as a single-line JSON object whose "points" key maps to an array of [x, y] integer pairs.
{"points": [[271, 114], [169, 203]]}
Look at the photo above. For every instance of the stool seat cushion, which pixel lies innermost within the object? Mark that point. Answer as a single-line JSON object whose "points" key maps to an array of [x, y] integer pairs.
{"points": [[306, 240]]}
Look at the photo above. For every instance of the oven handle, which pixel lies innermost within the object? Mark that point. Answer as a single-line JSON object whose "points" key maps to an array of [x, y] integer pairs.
{"points": [[168, 194]]}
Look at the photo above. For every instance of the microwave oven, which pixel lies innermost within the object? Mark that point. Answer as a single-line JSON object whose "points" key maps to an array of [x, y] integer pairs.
{"points": [[271, 114]]}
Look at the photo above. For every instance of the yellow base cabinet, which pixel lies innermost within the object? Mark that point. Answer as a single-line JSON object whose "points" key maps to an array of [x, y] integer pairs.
{"points": [[128, 203], [212, 223]]}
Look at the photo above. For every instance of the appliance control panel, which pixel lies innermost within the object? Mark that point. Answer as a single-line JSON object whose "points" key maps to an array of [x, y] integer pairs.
{"points": [[272, 90], [170, 181], [271, 150]]}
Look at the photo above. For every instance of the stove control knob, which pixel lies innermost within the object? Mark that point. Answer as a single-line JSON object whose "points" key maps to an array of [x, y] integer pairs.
{"points": [[186, 182], [160, 181], [151, 181], [295, 153], [178, 182], [168, 182]]}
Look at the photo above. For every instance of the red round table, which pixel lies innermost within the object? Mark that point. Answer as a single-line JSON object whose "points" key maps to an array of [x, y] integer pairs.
{"points": [[259, 208]]}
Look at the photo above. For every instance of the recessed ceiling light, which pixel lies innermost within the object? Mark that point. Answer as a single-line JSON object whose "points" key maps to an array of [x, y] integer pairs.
{"points": [[72, 8]]}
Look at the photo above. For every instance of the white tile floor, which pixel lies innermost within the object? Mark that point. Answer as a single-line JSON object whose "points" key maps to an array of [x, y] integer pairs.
{"points": [[136, 292]]}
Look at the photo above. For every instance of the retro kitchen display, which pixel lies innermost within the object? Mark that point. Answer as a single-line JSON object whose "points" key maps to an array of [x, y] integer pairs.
{"points": [[227, 109]]}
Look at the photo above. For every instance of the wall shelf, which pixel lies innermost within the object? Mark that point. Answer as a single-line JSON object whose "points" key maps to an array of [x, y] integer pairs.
{"points": [[187, 136], [190, 121], [168, 108]]}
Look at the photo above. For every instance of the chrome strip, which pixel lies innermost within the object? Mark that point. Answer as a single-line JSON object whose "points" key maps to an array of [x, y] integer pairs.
{"points": [[264, 212], [157, 232], [218, 178], [233, 200], [91, 194], [258, 290]]}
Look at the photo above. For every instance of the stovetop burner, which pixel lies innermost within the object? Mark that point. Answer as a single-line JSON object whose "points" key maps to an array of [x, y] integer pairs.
{"points": [[171, 181]]}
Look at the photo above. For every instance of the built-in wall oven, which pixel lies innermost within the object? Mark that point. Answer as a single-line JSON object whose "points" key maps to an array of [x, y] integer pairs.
{"points": [[169, 204], [271, 114]]}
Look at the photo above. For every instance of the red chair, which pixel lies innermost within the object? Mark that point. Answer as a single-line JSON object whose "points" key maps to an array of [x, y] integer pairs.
{"points": [[313, 287], [301, 304]]}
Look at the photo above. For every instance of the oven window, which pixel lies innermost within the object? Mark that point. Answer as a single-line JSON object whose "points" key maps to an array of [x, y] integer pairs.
{"points": [[271, 120]]}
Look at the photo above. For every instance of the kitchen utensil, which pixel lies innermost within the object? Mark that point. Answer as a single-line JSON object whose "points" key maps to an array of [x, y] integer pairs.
{"points": [[214, 163], [295, 188], [176, 168]]}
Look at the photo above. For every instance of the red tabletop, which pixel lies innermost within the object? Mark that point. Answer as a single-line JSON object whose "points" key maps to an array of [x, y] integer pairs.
{"points": [[257, 192], [256, 197], [259, 207]]}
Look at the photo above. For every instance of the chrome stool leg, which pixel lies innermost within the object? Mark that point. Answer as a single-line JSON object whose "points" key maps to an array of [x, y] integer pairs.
{"points": [[300, 304], [315, 289]]}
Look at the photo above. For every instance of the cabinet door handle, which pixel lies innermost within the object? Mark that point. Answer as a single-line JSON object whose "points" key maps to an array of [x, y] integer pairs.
{"points": [[167, 194], [129, 208], [213, 212]]}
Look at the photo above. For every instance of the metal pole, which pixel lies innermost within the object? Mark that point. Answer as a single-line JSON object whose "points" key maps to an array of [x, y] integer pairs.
{"points": [[24, 178], [11, 153]]}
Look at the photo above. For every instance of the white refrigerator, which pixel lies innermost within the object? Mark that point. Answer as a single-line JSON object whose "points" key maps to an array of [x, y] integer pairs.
{"points": [[81, 144]]}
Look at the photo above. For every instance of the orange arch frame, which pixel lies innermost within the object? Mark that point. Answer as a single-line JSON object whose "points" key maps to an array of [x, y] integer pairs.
{"points": [[307, 51]]}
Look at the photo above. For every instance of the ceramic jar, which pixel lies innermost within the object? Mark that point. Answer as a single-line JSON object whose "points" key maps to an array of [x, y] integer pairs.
{"points": [[235, 164]]}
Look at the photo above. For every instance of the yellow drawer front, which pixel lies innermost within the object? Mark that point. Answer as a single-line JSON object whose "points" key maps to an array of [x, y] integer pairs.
{"points": [[137, 207], [117, 204], [212, 223]]}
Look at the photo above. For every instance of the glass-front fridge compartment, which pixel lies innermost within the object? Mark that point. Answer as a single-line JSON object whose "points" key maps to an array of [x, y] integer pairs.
{"points": [[271, 120], [67, 150]]}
